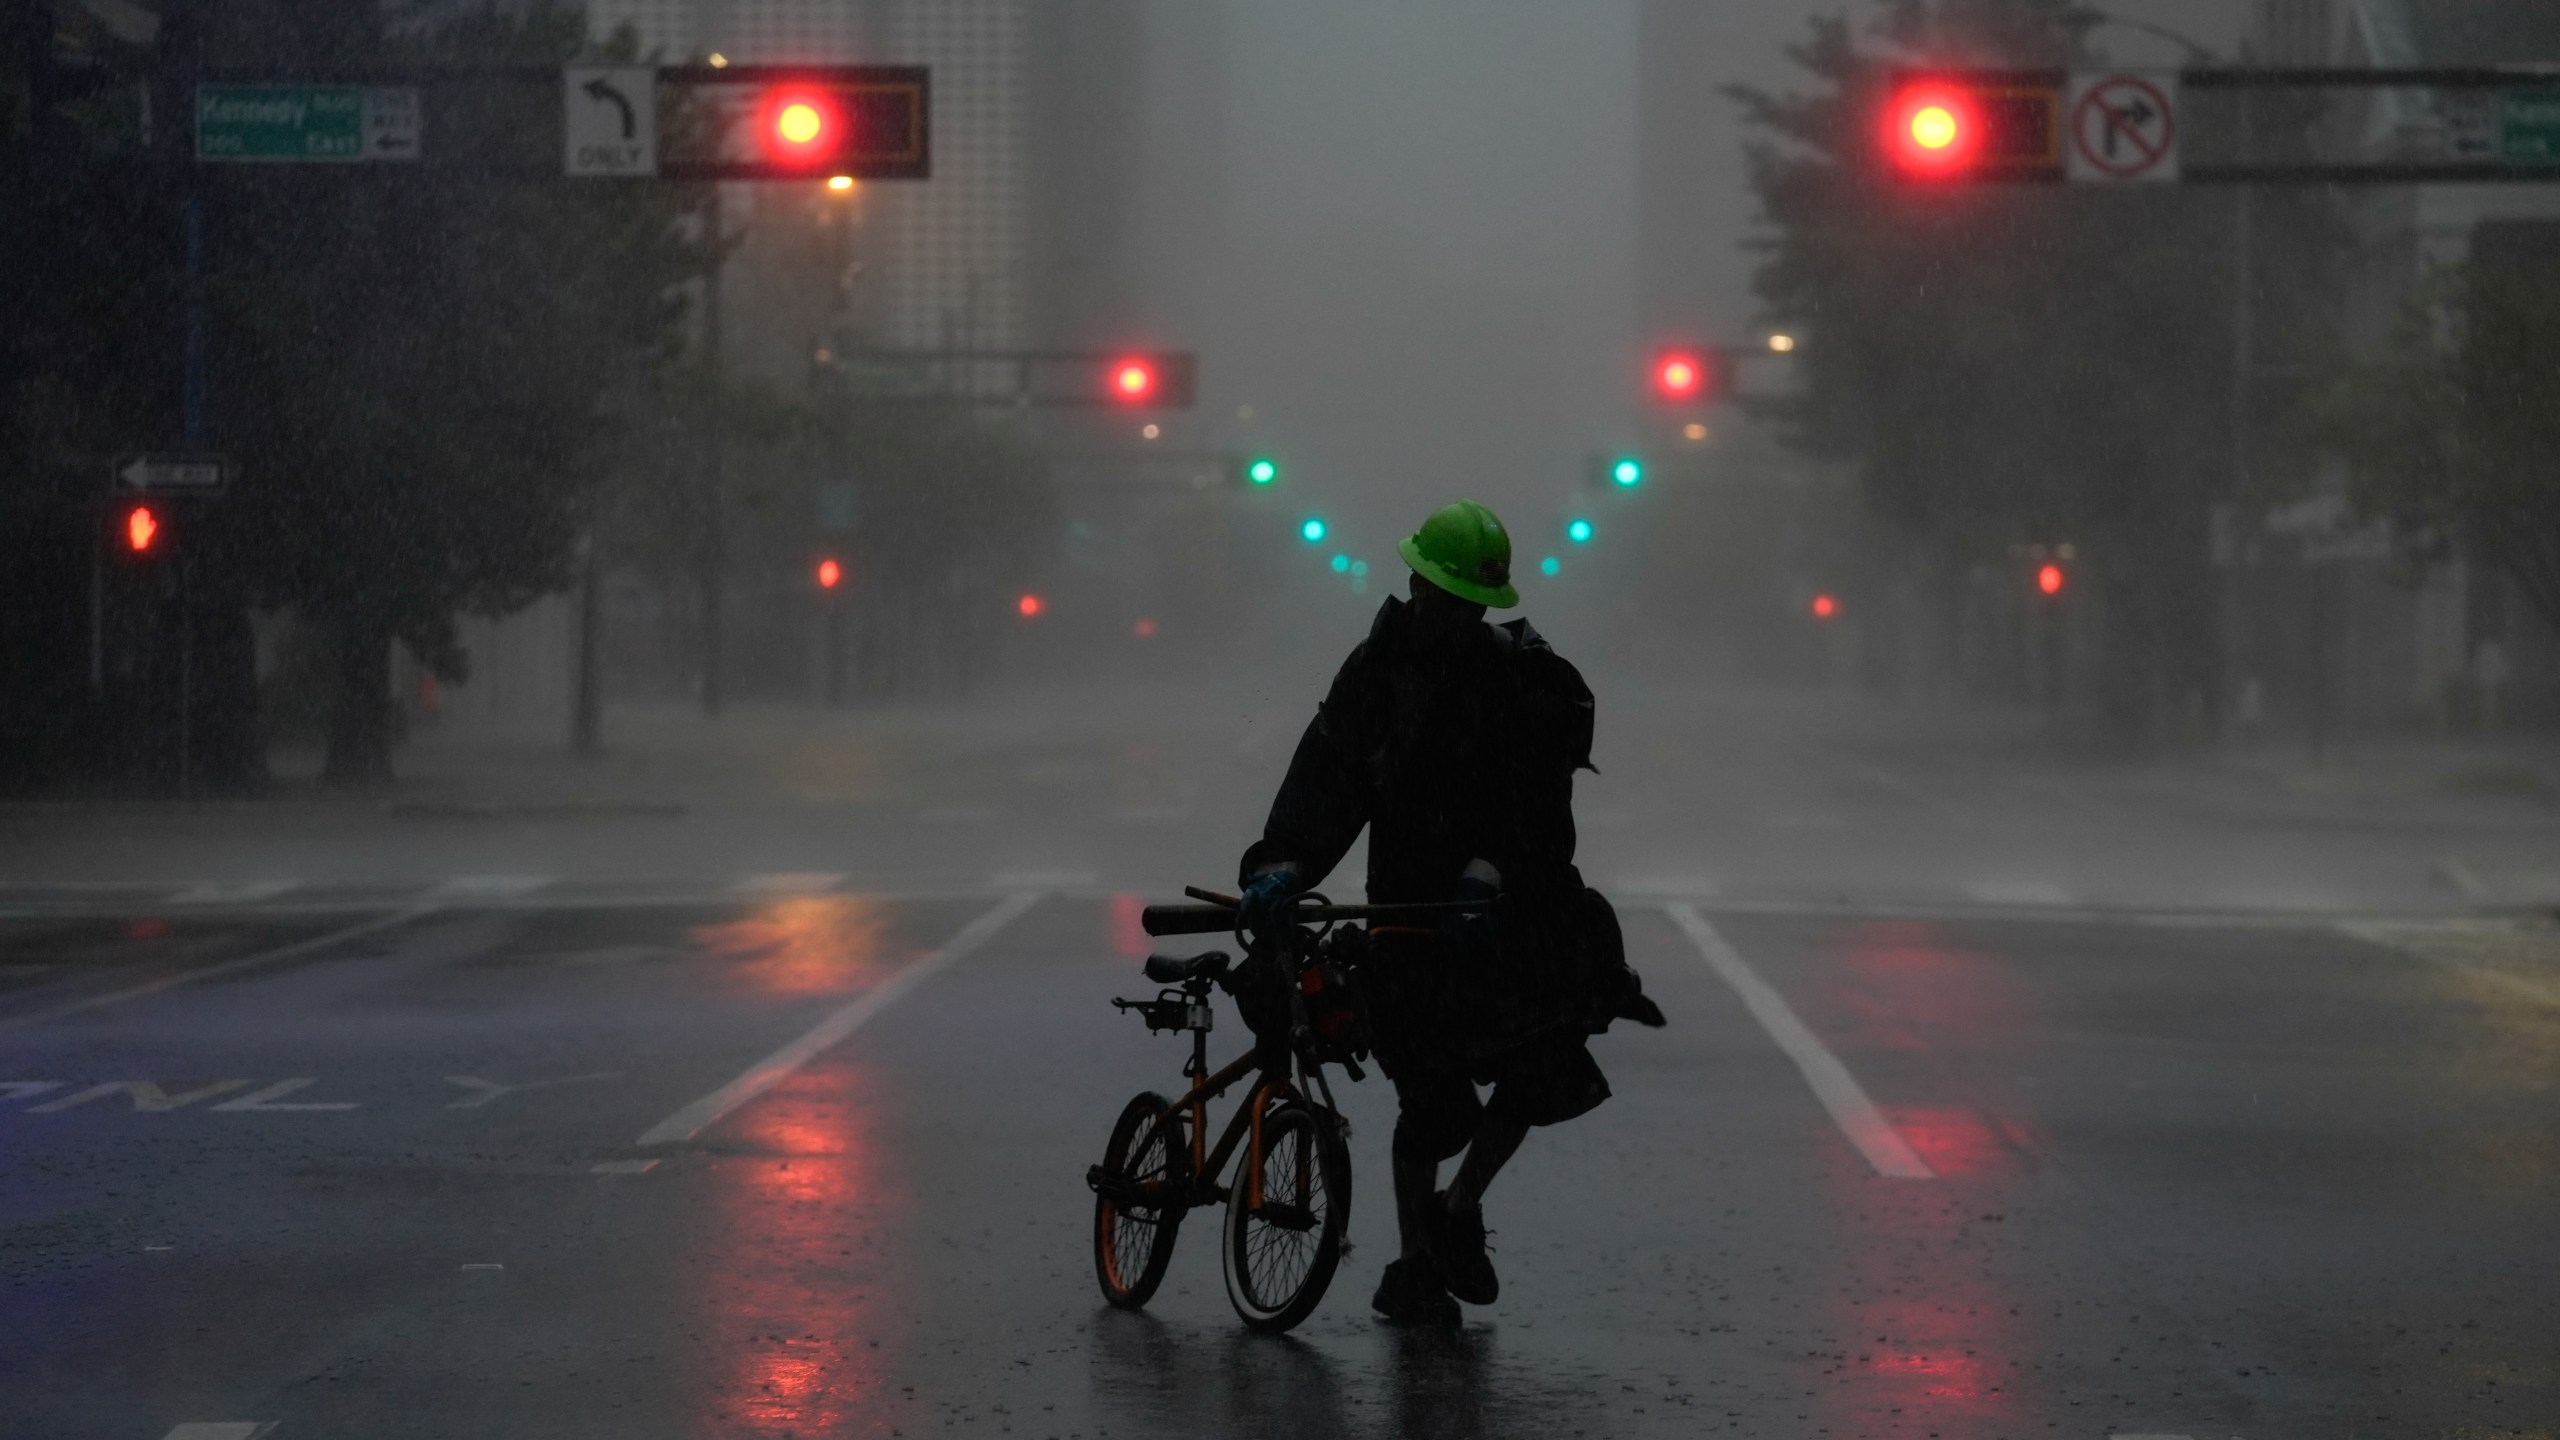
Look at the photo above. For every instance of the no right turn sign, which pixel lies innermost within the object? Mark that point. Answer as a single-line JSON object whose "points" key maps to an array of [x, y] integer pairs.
{"points": [[2122, 125]]}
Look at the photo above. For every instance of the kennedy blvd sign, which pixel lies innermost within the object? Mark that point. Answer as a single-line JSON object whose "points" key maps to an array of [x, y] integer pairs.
{"points": [[303, 124]]}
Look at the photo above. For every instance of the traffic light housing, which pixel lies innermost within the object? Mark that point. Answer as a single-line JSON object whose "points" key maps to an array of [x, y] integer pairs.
{"points": [[868, 122], [1143, 379], [1981, 125]]}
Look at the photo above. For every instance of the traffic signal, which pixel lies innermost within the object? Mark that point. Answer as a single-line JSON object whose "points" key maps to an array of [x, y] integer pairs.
{"points": [[1974, 127], [1824, 607], [830, 573], [140, 531], [1030, 606], [2050, 579], [1341, 563], [1680, 377], [1313, 530], [1262, 470], [803, 127], [1139, 379], [1550, 565], [1626, 472], [1577, 530]]}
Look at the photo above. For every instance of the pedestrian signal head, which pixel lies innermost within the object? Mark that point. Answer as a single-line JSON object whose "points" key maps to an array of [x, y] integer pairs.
{"points": [[141, 529]]}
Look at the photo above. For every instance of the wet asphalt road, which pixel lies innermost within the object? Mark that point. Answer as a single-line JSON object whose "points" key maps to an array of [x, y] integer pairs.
{"points": [[2205, 1179], [744, 1086]]}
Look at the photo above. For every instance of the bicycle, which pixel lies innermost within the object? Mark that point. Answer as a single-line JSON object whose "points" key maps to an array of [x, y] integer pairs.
{"points": [[1290, 1202]]}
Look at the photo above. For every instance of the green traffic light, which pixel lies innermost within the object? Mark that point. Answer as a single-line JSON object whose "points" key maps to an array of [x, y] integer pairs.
{"points": [[1550, 565], [1262, 471], [1313, 531], [1341, 563], [1577, 530], [1628, 472]]}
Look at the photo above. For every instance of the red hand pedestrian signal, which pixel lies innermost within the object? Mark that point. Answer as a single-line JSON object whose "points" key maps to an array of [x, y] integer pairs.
{"points": [[141, 529]]}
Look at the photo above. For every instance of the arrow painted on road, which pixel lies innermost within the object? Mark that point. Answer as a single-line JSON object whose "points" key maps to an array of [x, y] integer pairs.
{"points": [[601, 91]]}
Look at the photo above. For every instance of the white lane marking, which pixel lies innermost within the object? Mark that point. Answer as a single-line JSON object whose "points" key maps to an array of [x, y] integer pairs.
{"points": [[220, 1430], [263, 1099], [622, 1167], [793, 882], [1832, 1083], [147, 1095], [484, 1265], [246, 892], [1682, 887], [26, 1089], [2017, 892], [773, 1069], [490, 887], [215, 972], [1043, 880], [484, 1091]]}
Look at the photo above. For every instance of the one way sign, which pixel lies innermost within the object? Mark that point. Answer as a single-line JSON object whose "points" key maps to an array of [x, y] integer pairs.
{"points": [[610, 115]]}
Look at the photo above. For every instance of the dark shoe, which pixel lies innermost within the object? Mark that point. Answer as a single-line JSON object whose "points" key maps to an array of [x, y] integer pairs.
{"points": [[1410, 1294], [1465, 1267]]}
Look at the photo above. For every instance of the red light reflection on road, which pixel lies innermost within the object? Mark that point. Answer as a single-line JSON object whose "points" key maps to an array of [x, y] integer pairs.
{"points": [[803, 944], [1922, 1315], [785, 1271]]}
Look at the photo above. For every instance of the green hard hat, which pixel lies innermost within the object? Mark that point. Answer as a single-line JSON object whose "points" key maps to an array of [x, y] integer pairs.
{"points": [[1464, 550]]}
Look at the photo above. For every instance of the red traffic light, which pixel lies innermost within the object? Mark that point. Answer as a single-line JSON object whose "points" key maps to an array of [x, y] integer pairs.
{"points": [[1973, 127], [830, 574], [1030, 606], [1824, 607], [1680, 375], [801, 126], [2049, 580], [1932, 129], [1133, 379]]}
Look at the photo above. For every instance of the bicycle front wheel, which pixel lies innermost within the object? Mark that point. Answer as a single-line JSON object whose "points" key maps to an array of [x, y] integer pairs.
{"points": [[1138, 1199], [1280, 1253]]}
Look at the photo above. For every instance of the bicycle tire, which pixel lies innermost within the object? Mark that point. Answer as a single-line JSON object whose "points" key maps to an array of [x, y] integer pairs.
{"points": [[1132, 1244], [1279, 1259]]}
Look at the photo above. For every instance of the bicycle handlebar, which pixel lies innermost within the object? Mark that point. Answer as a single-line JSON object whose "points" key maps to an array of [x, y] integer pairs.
{"points": [[1220, 919]]}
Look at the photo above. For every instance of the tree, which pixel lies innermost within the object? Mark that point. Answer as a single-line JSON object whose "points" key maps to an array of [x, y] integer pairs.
{"points": [[2013, 365], [2450, 430], [414, 366]]}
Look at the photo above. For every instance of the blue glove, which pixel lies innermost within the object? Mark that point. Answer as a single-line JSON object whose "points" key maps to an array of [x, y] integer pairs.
{"points": [[1266, 899], [1471, 927]]}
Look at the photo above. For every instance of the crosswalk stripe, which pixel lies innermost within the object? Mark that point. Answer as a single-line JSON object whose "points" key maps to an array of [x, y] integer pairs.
{"points": [[490, 887]]}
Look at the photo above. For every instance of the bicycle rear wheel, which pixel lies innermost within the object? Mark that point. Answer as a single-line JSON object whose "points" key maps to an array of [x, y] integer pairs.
{"points": [[1280, 1255], [1138, 1202]]}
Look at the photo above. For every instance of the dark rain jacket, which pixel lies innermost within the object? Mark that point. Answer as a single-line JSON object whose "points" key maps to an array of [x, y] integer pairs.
{"points": [[1447, 754]]}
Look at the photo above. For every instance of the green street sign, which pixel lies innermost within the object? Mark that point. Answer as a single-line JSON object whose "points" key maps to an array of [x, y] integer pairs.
{"points": [[2529, 128], [290, 124]]}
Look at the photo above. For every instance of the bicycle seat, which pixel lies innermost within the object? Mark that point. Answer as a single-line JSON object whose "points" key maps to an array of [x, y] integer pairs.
{"points": [[1174, 969]]}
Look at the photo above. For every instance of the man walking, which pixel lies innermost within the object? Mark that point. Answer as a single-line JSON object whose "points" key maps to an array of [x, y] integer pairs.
{"points": [[1455, 743]]}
